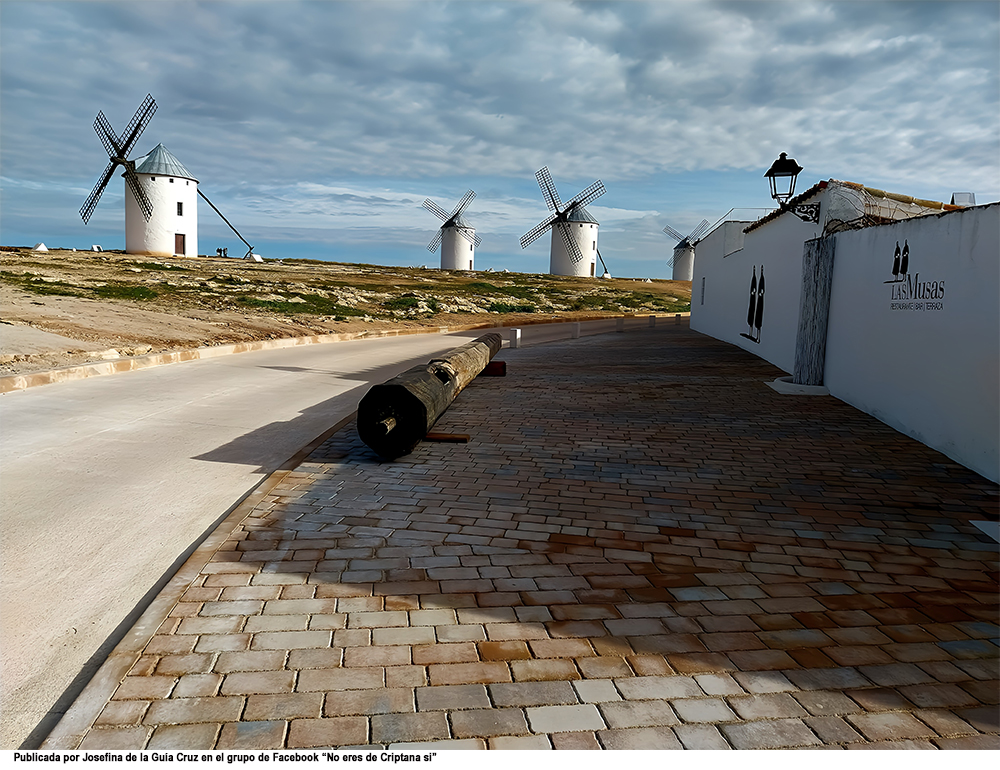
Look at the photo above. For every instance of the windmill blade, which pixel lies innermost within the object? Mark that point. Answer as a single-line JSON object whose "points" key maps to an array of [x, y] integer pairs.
{"points": [[466, 200], [548, 187], [436, 210], [470, 236], [673, 233], [107, 136], [572, 246], [137, 125], [432, 246], [140, 195], [533, 234], [670, 262], [592, 193], [91, 203], [698, 231]]}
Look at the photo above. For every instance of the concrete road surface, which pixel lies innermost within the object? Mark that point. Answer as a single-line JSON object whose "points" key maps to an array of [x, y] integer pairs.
{"points": [[109, 482]]}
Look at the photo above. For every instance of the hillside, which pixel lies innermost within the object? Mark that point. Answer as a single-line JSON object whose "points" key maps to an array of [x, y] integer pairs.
{"points": [[126, 304]]}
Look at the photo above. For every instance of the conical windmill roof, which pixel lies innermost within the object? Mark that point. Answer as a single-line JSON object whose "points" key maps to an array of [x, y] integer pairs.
{"points": [[580, 214], [459, 222], [160, 161]]}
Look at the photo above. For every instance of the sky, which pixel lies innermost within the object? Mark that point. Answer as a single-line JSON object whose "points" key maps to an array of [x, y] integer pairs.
{"points": [[318, 128]]}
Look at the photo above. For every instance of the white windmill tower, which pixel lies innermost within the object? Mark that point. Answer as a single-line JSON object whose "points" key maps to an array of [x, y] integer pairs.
{"points": [[682, 260], [172, 191], [457, 237], [574, 231], [161, 196]]}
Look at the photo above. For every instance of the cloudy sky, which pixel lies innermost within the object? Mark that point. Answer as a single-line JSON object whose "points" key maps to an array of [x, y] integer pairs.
{"points": [[318, 128]]}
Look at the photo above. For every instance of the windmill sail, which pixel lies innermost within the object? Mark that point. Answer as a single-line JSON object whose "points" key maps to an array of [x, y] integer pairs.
{"points": [[118, 149]]}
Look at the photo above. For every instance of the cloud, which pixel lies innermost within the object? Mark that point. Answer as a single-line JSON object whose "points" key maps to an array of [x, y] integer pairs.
{"points": [[327, 114]]}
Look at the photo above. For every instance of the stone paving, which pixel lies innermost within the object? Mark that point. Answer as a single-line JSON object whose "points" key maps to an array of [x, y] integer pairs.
{"points": [[642, 546]]}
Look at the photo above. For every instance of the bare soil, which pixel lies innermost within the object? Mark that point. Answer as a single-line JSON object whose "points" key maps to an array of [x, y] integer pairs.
{"points": [[117, 304]]}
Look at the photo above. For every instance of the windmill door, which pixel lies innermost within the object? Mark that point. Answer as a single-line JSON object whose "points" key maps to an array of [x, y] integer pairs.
{"points": [[179, 244]]}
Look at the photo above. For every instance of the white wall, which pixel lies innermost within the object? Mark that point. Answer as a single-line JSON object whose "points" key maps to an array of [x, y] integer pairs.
{"points": [[457, 251], [156, 237], [585, 235], [933, 371], [777, 246]]}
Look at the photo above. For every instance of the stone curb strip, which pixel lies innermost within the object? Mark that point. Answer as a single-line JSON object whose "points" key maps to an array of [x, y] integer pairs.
{"points": [[14, 382]]}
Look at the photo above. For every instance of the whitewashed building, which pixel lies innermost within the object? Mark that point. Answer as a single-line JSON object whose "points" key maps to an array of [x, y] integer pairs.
{"points": [[887, 301], [581, 226], [458, 245], [172, 229]]}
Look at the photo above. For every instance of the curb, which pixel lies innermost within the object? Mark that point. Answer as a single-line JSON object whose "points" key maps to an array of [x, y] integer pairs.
{"points": [[12, 382], [87, 706]]}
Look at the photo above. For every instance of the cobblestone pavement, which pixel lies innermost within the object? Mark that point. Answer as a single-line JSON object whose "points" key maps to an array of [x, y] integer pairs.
{"points": [[642, 546]]}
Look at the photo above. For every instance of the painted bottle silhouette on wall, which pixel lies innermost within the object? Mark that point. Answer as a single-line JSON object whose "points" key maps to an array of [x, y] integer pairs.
{"points": [[755, 312], [900, 263]]}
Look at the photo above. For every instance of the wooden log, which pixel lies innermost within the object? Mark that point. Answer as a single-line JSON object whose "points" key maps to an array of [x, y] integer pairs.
{"points": [[393, 417]]}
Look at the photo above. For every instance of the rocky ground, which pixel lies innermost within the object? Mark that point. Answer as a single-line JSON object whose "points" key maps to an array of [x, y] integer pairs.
{"points": [[115, 304]]}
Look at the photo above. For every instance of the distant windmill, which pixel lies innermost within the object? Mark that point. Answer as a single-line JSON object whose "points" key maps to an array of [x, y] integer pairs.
{"points": [[682, 260], [161, 196], [454, 255], [574, 250]]}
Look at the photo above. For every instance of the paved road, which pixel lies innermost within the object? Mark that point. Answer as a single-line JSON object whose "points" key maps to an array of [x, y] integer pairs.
{"points": [[641, 546], [107, 483]]}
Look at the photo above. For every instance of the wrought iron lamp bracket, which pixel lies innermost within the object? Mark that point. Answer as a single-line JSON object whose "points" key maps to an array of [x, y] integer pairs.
{"points": [[807, 212]]}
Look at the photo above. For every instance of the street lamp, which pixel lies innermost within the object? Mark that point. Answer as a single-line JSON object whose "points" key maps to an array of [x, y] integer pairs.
{"points": [[786, 170], [782, 174]]}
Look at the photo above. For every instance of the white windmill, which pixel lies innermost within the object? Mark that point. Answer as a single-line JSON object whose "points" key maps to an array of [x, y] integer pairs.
{"points": [[161, 196], [574, 231], [682, 260], [457, 237]]}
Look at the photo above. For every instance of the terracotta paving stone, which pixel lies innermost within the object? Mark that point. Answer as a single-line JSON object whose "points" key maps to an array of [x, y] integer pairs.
{"points": [[649, 713], [984, 719], [544, 670], [639, 738], [466, 696], [771, 734], [533, 694], [704, 737], [188, 710], [461, 673], [833, 729], [145, 688], [283, 707], [176, 737], [580, 741], [944, 722], [319, 733], [761, 660], [488, 723], [887, 726], [115, 739], [120, 713], [602, 564]]}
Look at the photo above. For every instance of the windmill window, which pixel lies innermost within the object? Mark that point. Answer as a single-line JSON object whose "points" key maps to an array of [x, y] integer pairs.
{"points": [[152, 179], [180, 209], [594, 247], [171, 180]]}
